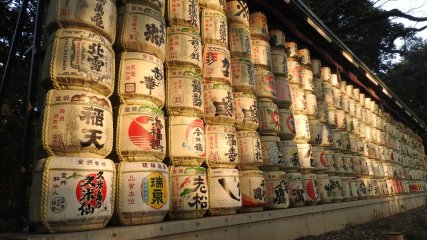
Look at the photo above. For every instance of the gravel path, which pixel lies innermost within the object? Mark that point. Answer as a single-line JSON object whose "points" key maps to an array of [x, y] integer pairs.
{"points": [[411, 223]]}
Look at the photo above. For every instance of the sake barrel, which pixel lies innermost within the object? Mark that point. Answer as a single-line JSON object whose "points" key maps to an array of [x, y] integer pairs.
{"points": [[364, 166], [362, 99], [318, 88], [189, 192], [180, 82], [214, 26], [311, 189], [97, 16], [258, 25], [183, 13], [142, 192], [319, 159], [294, 71], [361, 188], [370, 164], [271, 154], [345, 103], [341, 120], [277, 38], [353, 189], [332, 117], [357, 167], [238, 12], [336, 188], [337, 101], [283, 92], [349, 91], [290, 155], [339, 162], [186, 140], [218, 5], [261, 53], [276, 189], [242, 74], [299, 103], [141, 133], [330, 159], [268, 118], [307, 79], [326, 136], [315, 131], [141, 29], [334, 81], [79, 59], [279, 61], [336, 139], [302, 129], [219, 103], [348, 164], [221, 146], [292, 50], [72, 194], [141, 78], [252, 187], [184, 48], [304, 57], [305, 156], [325, 74], [224, 189], [77, 123], [216, 64], [356, 94], [250, 152], [322, 109], [316, 64], [328, 94], [245, 111], [287, 124], [324, 186], [297, 195], [311, 105], [239, 40], [346, 192]]}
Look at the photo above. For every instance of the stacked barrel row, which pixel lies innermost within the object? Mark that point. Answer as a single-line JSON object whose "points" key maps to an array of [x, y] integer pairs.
{"points": [[77, 128]]}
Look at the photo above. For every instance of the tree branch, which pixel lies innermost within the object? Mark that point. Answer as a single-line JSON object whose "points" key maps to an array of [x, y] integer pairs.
{"points": [[387, 49]]}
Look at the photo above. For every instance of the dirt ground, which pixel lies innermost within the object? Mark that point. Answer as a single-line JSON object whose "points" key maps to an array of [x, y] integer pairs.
{"points": [[411, 223]]}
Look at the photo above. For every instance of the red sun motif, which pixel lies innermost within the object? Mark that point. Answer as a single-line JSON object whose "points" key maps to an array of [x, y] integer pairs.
{"points": [[290, 123], [138, 135], [91, 192], [310, 191]]}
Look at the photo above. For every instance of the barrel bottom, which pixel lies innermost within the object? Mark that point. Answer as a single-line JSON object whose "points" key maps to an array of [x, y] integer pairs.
{"points": [[222, 211], [141, 218], [251, 209], [71, 226], [187, 215]]}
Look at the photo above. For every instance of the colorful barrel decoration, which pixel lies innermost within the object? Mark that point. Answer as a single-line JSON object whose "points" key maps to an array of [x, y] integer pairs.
{"points": [[326, 136], [353, 189], [290, 155], [72, 194], [258, 25], [271, 154], [337, 101], [279, 61], [268, 118], [237, 11], [283, 92], [292, 50], [361, 188], [349, 91], [334, 81], [250, 151], [189, 192], [142, 192], [277, 38], [341, 120], [141, 29], [180, 82], [239, 40], [302, 128], [77, 123], [332, 117], [311, 105], [318, 88], [224, 188], [336, 188], [261, 54], [245, 111], [97, 16], [218, 5], [276, 190], [214, 27], [320, 161], [324, 186], [307, 79], [216, 64], [305, 156], [186, 140], [330, 158], [141, 133], [183, 13], [294, 71], [184, 48], [346, 192], [316, 64], [299, 104], [221, 146], [242, 74], [312, 193], [252, 187], [304, 57], [325, 74], [315, 131], [297, 195], [328, 95], [158, 5], [141, 78], [265, 85], [79, 59], [219, 103], [287, 124]]}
